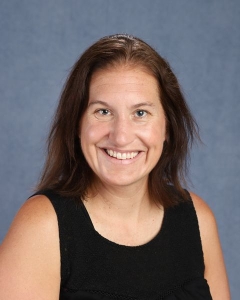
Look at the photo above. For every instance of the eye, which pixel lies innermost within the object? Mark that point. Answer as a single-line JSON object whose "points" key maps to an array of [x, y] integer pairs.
{"points": [[103, 112], [141, 113]]}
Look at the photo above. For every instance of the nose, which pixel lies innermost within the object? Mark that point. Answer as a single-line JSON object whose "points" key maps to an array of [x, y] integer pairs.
{"points": [[122, 131]]}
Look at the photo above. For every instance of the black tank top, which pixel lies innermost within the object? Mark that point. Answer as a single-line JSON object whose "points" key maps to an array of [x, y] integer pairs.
{"points": [[169, 267]]}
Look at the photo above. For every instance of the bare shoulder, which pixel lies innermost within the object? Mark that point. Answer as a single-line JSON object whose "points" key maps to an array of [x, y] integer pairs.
{"points": [[35, 216], [200, 204], [38, 206], [205, 215], [215, 271], [29, 254], [207, 222]]}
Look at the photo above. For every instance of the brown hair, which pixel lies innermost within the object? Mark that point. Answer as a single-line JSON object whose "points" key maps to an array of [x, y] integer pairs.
{"points": [[66, 170]]}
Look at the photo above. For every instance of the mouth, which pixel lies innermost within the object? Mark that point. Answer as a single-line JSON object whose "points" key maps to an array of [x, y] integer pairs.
{"points": [[121, 155]]}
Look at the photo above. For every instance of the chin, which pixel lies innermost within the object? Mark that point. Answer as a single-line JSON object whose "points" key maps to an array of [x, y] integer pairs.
{"points": [[122, 182]]}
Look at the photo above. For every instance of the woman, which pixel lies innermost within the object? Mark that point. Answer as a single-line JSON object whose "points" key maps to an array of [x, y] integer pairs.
{"points": [[111, 219]]}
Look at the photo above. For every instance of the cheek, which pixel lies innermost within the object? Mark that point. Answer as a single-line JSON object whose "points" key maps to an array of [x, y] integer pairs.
{"points": [[92, 132], [155, 134], [162, 130], [88, 139]]}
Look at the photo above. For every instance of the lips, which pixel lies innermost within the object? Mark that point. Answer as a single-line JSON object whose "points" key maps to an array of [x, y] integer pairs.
{"points": [[121, 155]]}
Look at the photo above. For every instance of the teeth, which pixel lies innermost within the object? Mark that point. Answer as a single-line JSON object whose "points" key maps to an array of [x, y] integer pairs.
{"points": [[119, 155]]}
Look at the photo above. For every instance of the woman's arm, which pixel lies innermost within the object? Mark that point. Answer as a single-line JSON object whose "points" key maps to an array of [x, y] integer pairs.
{"points": [[29, 255], [215, 271]]}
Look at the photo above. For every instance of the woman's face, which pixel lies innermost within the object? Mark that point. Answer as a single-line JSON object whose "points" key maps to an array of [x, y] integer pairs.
{"points": [[123, 129]]}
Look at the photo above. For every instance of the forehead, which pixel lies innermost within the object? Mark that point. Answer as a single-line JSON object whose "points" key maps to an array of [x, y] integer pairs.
{"points": [[123, 78]]}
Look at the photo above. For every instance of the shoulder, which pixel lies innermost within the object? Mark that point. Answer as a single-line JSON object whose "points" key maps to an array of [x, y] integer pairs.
{"points": [[36, 214], [40, 206], [207, 224], [215, 272], [29, 255], [205, 215]]}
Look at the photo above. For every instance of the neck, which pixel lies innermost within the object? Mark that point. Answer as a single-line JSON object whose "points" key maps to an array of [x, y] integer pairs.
{"points": [[122, 201]]}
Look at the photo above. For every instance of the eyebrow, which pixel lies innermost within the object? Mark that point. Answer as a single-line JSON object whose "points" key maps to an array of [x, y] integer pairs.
{"points": [[134, 106]]}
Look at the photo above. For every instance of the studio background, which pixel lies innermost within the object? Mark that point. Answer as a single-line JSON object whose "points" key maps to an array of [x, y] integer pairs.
{"points": [[41, 40]]}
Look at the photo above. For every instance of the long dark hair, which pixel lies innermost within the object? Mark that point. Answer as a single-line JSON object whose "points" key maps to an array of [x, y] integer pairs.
{"points": [[66, 170]]}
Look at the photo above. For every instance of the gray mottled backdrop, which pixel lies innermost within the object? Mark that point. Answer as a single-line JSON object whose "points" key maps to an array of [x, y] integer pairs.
{"points": [[39, 42]]}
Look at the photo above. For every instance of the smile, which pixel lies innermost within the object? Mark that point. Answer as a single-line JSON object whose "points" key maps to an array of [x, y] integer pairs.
{"points": [[119, 155]]}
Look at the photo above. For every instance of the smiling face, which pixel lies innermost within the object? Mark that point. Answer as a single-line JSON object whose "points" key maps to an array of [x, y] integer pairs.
{"points": [[123, 128]]}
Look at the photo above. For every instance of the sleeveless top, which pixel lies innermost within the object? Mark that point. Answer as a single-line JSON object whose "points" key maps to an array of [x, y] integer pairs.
{"points": [[169, 267]]}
